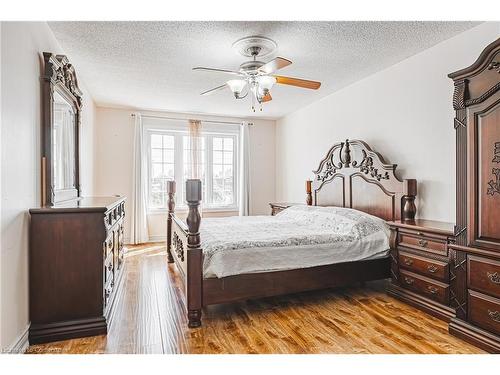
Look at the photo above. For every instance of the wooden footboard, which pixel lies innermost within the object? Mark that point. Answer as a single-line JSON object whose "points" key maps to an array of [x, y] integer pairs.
{"points": [[183, 248]]}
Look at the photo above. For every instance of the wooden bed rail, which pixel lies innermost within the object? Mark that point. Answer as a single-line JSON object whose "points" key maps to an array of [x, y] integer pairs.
{"points": [[180, 236]]}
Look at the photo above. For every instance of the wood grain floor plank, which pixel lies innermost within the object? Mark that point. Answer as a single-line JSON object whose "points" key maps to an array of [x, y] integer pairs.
{"points": [[149, 317]]}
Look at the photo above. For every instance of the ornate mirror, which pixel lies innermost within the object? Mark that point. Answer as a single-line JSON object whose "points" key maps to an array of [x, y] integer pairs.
{"points": [[62, 100]]}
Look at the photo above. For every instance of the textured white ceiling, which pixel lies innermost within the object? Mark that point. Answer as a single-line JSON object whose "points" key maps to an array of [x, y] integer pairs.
{"points": [[148, 65]]}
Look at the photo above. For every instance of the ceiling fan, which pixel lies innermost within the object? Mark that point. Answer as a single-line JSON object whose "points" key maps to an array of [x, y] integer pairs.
{"points": [[256, 78]]}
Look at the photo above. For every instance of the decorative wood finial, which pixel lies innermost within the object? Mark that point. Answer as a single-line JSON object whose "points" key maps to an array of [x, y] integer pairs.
{"points": [[309, 192], [346, 154]]}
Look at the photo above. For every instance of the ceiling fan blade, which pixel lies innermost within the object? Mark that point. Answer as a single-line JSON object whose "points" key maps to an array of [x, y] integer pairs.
{"points": [[267, 98], [274, 65], [304, 83], [217, 70], [214, 89]]}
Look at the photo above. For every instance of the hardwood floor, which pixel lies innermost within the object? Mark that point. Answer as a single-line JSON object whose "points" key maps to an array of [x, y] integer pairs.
{"points": [[149, 318]]}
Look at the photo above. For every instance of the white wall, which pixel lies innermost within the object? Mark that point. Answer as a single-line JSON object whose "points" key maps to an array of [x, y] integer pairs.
{"points": [[21, 47], [404, 112], [114, 157]]}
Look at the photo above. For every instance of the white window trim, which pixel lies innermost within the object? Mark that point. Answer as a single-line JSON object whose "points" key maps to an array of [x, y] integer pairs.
{"points": [[179, 129]]}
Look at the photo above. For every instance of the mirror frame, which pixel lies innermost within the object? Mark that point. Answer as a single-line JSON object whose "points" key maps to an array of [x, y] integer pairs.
{"points": [[58, 76]]}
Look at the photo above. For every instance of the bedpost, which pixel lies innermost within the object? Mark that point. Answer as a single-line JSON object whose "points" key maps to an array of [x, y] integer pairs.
{"points": [[309, 199], [171, 207], [408, 208], [194, 254]]}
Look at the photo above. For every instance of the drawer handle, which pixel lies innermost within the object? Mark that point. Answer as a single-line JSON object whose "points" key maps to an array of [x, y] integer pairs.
{"points": [[420, 233], [408, 261], [494, 315], [494, 277], [432, 289], [409, 280], [432, 268], [422, 243]]}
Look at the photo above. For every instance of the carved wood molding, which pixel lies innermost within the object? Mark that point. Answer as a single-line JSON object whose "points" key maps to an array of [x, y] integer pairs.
{"points": [[494, 183], [178, 246], [366, 160], [59, 71], [459, 94], [494, 65]]}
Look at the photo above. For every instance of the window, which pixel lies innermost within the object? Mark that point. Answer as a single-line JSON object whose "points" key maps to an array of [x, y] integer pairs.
{"points": [[170, 159], [162, 168]]}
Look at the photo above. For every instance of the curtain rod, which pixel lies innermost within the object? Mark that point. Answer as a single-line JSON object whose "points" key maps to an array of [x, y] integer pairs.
{"points": [[185, 119]]}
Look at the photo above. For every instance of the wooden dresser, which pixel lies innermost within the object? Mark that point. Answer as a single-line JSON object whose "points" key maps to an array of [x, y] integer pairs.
{"points": [[75, 264], [420, 265], [476, 255]]}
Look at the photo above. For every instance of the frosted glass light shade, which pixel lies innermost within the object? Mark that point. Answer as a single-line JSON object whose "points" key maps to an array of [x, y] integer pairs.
{"points": [[237, 85], [266, 83]]}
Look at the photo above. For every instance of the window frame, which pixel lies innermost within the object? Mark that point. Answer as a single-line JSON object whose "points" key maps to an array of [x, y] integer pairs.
{"points": [[178, 129]]}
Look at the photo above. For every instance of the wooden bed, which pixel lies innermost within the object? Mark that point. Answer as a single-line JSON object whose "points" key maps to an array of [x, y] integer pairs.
{"points": [[351, 175]]}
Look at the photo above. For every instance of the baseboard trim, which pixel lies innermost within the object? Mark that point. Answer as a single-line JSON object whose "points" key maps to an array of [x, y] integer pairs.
{"points": [[475, 335], [157, 238], [42, 333], [429, 306], [20, 345]]}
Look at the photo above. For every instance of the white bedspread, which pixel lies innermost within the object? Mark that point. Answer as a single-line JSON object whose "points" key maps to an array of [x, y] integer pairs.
{"points": [[298, 237]]}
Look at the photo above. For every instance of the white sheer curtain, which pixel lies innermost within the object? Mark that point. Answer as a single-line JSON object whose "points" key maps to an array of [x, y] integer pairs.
{"points": [[244, 185], [195, 155], [139, 225], [196, 152]]}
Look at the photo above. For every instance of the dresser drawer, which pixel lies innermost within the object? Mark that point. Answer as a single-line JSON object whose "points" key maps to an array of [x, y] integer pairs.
{"points": [[428, 288], [484, 311], [424, 266], [423, 242], [484, 275]]}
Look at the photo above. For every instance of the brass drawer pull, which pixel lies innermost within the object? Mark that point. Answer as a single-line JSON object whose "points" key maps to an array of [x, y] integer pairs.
{"points": [[494, 277], [432, 289], [420, 233], [408, 261], [422, 243], [409, 280], [432, 268], [494, 315]]}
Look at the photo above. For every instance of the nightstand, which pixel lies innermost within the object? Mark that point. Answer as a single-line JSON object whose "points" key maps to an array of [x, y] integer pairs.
{"points": [[278, 207], [421, 267]]}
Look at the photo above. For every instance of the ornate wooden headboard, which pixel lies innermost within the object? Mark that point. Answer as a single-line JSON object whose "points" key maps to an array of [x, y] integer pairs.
{"points": [[353, 175]]}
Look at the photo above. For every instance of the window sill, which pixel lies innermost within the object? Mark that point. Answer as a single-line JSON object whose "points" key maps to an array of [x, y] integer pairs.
{"points": [[184, 210]]}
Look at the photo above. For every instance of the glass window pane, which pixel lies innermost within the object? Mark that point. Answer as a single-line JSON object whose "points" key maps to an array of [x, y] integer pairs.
{"points": [[156, 155], [228, 144], [156, 141], [168, 156], [218, 171], [217, 143], [156, 170], [168, 171], [157, 199], [217, 157], [156, 184], [228, 158], [168, 141]]}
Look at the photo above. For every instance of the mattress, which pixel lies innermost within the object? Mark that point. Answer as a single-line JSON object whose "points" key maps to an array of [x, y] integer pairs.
{"points": [[298, 237]]}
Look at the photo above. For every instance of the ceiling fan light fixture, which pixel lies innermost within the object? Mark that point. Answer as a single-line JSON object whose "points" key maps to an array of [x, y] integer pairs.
{"points": [[266, 83], [237, 86]]}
